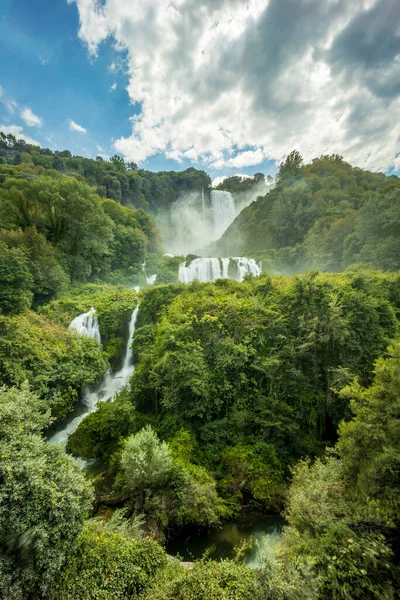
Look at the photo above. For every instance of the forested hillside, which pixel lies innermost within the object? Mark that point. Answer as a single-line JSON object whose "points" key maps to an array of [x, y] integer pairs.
{"points": [[325, 215], [56, 231], [124, 183], [187, 407]]}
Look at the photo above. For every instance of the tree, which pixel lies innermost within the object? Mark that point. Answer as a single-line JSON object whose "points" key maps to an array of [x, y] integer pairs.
{"points": [[351, 561], [108, 565], [16, 281], [44, 499], [146, 463], [118, 162], [208, 580], [370, 443], [290, 169], [49, 278]]}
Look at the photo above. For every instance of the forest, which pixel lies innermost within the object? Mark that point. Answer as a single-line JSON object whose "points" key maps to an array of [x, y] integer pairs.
{"points": [[325, 215], [275, 395]]}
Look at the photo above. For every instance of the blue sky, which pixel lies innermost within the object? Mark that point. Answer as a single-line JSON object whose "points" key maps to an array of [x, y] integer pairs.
{"points": [[47, 68], [228, 86]]}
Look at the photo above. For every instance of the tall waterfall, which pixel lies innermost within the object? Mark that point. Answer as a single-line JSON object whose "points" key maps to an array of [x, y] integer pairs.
{"points": [[110, 384], [223, 211], [210, 269], [87, 324]]}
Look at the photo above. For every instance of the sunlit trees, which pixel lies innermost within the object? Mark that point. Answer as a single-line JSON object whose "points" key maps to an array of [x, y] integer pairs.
{"points": [[107, 565], [351, 560], [44, 499], [146, 463]]}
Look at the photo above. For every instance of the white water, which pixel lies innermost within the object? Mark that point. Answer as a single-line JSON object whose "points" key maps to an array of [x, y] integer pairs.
{"points": [[223, 211], [150, 280], [210, 269], [110, 384], [87, 324]]}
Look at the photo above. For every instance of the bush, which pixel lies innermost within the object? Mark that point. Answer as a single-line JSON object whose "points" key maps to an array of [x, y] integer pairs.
{"points": [[108, 565]]}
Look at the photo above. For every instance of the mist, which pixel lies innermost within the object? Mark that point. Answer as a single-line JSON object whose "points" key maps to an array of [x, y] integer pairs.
{"points": [[197, 219]]}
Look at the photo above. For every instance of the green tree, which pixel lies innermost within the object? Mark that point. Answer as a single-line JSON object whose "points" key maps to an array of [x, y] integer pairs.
{"points": [[44, 499], [370, 443], [290, 169], [351, 561], [146, 463], [106, 565], [208, 580], [16, 281]]}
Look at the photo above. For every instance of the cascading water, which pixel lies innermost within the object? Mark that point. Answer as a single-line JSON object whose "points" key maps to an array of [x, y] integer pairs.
{"points": [[150, 280], [87, 324], [110, 384], [210, 269], [223, 211]]}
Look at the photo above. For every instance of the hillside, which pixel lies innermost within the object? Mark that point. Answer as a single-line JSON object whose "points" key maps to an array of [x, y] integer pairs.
{"points": [[124, 183], [324, 215]]}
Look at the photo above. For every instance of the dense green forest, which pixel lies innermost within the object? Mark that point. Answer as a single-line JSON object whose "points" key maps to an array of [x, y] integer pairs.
{"points": [[114, 179], [325, 215], [276, 395]]}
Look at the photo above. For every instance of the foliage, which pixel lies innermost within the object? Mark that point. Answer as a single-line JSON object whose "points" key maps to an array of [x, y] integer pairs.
{"points": [[113, 305], [146, 462], [15, 281], [108, 565], [225, 580], [43, 500], [66, 232], [326, 215], [253, 469], [286, 580], [195, 501], [49, 278], [99, 434], [238, 185], [351, 561], [56, 363], [123, 183], [259, 362], [369, 444]]}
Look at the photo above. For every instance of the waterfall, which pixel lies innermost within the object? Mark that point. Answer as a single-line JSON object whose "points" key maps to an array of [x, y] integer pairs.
{"points": [[110, 384], [210, 269], [87, 324], [152, 278], [223, 211]]}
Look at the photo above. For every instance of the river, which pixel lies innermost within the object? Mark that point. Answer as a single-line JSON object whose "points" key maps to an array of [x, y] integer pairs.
{"points": [[263, 532]]}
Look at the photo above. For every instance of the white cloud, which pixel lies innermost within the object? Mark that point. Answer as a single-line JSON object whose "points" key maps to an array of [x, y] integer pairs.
{"points": [[75, 127], [113, 87], [1, 91], [30, 118], [213, 78], [242, 159], [11, 106], [18, 132]]}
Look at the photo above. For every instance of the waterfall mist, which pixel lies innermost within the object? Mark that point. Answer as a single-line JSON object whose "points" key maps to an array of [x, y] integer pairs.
{"points": [[197, 219], [186, 224]]}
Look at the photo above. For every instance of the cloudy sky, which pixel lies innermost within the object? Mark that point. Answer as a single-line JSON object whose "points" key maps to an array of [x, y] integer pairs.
{"points": [[225, 85]]}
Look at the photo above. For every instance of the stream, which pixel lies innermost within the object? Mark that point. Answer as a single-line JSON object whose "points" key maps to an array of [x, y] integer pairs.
{"points": [[263, 532]]}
